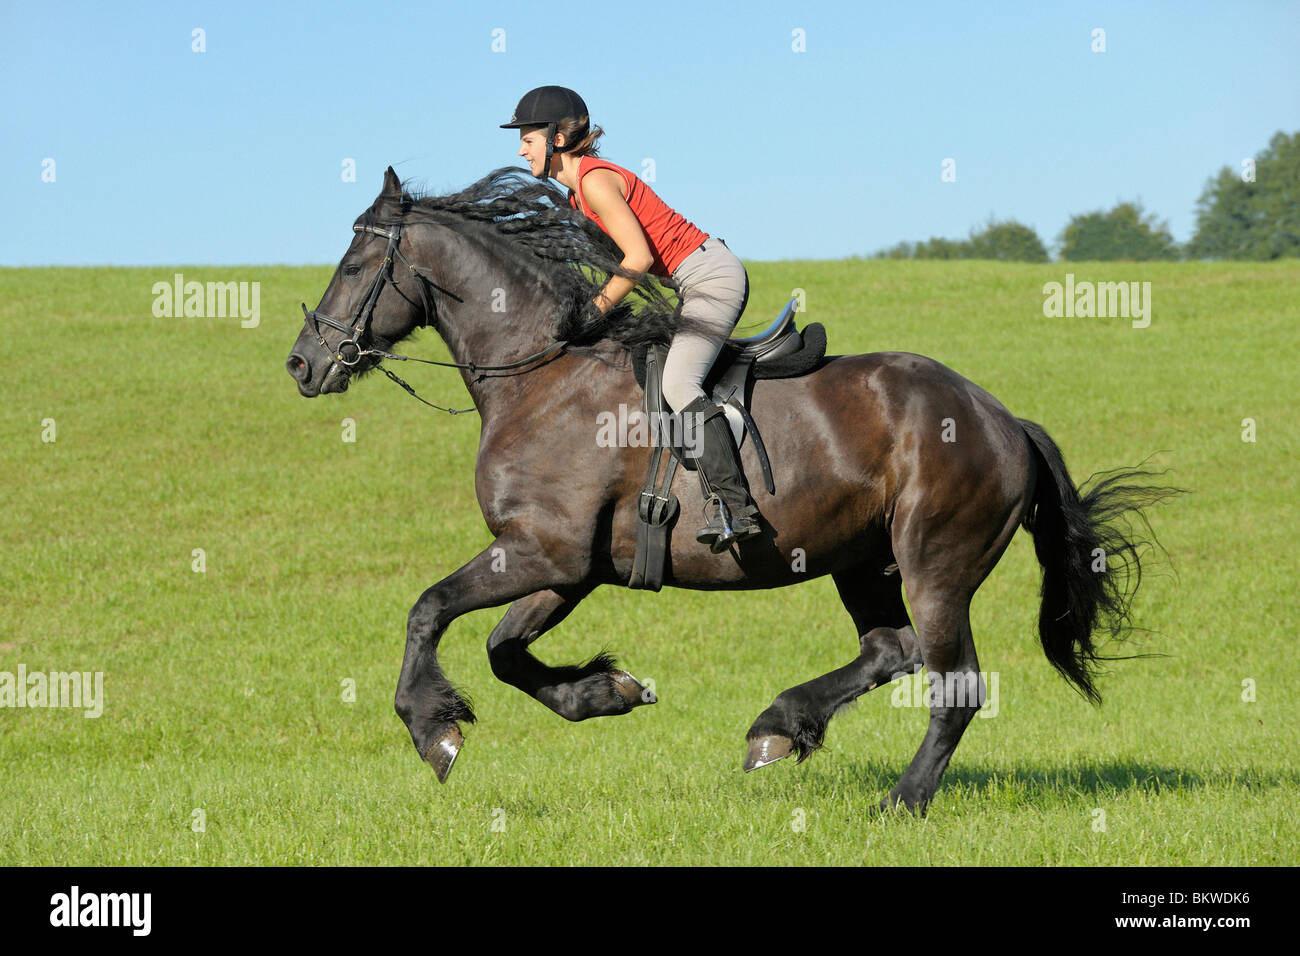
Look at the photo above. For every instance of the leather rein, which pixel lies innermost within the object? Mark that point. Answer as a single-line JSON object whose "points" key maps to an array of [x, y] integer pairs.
{"points": [[349, 352]]}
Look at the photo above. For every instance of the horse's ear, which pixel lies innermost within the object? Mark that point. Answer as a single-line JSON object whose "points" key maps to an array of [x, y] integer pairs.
{"points": [[392, 185]]}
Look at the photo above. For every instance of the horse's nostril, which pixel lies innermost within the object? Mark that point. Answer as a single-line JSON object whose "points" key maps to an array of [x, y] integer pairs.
{"points": [[297, 367]]}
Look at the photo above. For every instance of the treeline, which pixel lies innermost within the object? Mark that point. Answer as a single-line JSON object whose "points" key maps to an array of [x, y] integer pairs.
{"points": [[1250, 213]]}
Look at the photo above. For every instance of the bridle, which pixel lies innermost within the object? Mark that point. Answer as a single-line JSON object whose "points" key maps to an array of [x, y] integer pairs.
{"points": [[349, 352]]}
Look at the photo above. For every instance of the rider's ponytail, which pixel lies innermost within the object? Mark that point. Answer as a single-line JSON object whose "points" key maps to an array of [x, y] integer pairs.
{"points": [[580, 136]]}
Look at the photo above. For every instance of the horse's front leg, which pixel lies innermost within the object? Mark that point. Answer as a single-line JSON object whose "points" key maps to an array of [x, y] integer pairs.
{"points": [[428, 704], [595, 689]]}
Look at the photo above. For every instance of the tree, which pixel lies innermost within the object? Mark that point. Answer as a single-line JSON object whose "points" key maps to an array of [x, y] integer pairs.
{"points": [[1124, 232], [904, 250], [1009, 241], [1253, 213], [932, 248], [938, 248]]}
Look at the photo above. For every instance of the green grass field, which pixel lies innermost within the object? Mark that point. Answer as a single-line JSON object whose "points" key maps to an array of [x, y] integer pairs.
{"points": [[225, 737]]}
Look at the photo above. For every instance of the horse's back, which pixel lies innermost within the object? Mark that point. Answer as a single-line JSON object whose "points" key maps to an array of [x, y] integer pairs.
{"points": [[901, 394], [903, 425]]}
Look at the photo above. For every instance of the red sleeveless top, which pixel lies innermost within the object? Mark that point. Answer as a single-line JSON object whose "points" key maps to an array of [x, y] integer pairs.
{"points": [[671, 238]]}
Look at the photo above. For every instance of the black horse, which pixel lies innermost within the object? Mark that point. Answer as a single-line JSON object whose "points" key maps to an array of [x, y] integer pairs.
{"points": [[892, 471]]}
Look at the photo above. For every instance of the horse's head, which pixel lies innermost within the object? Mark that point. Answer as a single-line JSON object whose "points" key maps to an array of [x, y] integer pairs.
{"points": [[366, 305]]}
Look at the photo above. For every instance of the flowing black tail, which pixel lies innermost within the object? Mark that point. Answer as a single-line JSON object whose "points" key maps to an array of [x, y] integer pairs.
{"points": [[1090, 553]]}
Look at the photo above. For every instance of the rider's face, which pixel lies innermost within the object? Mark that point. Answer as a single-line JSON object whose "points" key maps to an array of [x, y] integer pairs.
{"points": [[532, 147]]}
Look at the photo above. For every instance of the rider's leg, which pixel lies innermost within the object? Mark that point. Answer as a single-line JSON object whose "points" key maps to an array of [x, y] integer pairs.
{"points": [[733, 514], [714, 287]]}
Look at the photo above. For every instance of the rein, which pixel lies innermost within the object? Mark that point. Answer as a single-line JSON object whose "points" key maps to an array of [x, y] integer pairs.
{"points": [[349, 352]]}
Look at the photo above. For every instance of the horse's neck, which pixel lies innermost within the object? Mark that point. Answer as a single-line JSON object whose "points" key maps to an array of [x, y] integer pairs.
{"points": [[502, 315]]}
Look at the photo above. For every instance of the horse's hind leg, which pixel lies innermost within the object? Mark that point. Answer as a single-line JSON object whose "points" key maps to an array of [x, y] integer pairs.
{"points": [[594, 689], [796, 721], [956, 690]]}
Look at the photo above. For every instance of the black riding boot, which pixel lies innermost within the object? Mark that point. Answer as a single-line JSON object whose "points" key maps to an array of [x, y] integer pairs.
{"points": [[732, 510]]}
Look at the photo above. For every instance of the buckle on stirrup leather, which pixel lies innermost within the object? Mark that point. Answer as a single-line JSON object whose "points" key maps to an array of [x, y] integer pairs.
{"points": [[656, 509]]}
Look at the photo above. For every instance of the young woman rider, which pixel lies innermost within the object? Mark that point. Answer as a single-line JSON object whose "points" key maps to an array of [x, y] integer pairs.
{"points": [[557, 140]]}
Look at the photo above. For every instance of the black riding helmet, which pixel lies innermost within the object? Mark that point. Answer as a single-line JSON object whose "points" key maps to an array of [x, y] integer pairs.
{"points": [[547, 106]]}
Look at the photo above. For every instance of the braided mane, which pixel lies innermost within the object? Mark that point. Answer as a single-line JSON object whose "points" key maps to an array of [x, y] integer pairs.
{"points": [[540, 233]]}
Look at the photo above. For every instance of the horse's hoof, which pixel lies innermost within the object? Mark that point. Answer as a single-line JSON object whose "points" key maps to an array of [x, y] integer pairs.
{"points": [[766, 750], [442, 753], [896, 805], [632, 690]]}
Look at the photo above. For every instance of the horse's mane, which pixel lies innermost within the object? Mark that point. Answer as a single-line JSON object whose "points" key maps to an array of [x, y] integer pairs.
{"points": [[541, 233]]}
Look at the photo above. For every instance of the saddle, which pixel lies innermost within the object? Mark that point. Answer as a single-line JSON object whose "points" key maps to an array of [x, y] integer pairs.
{"points": [[780, 351]]}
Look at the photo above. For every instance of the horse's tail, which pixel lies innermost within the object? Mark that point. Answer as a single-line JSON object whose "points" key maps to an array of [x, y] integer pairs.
{"points": [[1090, 553]]}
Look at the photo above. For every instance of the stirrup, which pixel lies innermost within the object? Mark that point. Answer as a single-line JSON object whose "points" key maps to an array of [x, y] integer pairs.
{"points": [[718, 526], [733, 529]]}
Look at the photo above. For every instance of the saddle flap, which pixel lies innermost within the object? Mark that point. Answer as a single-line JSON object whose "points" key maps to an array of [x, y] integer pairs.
{"points": [[731, 382]]}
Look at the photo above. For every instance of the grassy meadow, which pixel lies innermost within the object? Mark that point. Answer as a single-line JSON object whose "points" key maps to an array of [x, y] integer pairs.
{"points": [[247, 708]]}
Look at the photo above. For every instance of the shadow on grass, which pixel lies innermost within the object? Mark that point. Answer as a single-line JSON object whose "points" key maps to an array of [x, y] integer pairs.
{"points": [[1045, 783]]}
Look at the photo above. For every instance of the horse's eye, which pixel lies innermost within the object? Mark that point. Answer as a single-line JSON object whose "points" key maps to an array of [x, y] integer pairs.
{"points": [[351, 270]]}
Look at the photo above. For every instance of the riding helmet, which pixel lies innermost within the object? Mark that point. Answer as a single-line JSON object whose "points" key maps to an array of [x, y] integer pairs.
{"points": [[545, 105]]}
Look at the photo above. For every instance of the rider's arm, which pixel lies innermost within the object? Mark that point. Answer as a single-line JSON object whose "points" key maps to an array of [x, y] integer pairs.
{"points": [[600, 190]]}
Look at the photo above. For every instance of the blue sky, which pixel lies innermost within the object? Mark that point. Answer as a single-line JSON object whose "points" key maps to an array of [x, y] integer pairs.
{"points": [[163, 155]]}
